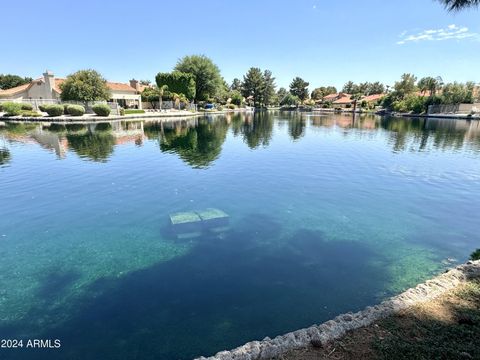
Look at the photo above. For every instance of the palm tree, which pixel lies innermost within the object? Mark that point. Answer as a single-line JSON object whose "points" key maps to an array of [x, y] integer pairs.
{"points": [[430, 84], [456, 5]]}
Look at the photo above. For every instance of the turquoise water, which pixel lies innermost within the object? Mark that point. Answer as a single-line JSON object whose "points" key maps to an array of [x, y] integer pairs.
{"points": [[328, 214]]}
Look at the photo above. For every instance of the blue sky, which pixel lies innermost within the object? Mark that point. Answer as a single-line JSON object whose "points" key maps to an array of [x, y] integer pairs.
{"points": [[324, 42]]}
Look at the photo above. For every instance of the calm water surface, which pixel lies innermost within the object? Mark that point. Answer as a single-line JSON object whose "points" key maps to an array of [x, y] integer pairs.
{"points": [[327, 215]]}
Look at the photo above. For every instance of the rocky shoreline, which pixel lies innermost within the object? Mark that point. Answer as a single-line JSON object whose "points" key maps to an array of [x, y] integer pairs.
{"points": [[336, 328]]}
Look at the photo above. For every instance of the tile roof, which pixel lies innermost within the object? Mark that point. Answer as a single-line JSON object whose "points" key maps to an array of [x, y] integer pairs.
{"points": [[344, 99], [111, 85], [120, 87], [58, 82], [330, 97], [15, 90], [374, 97]]}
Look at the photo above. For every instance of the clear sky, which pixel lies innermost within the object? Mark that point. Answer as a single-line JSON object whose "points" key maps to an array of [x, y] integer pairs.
{"points": [[324, 42]]}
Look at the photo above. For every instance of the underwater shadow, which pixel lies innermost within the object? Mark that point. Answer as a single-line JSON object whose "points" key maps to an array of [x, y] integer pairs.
{"points": [[246, 285]]}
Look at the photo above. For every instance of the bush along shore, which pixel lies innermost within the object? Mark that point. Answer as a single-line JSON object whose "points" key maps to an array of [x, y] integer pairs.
{"points": [[320, 336]]}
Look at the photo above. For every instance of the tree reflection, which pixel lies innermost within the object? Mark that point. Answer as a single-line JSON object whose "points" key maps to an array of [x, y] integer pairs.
{"points": [[96, 144], [296, 126], [5, 156], [418, 134], [257, 130], [198, 146]]}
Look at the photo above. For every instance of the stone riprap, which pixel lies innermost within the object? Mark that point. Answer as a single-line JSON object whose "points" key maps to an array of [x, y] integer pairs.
{"points": [[336, 328]]}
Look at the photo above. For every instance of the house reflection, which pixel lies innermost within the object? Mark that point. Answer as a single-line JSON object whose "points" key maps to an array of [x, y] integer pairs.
{"points": [[198, 141]]}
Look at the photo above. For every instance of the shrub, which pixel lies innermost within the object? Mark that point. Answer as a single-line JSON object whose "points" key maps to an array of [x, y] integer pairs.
{"points": [[231, 106], [75, 110], [30, 113], [27, 107], [1, 107], [122, 112], [42, 108], [12, 109], [54, 110], [101, 109], [475, 255]]}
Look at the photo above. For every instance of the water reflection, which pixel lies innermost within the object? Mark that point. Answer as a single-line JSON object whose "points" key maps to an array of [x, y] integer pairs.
{"points": [[5, 156], [256, 130], [198, 141]]}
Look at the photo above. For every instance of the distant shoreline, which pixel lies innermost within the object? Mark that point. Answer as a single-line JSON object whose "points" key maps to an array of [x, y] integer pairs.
{"points": [[185, 114]]}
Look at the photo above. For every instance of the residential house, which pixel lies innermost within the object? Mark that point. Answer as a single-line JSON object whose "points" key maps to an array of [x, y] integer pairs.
{"points": [[48, 88]]}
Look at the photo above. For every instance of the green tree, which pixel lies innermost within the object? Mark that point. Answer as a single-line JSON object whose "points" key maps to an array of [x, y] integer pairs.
{"points": [[457, 93], [177, 82], [349, 88], [268, 88], [320, 92], [8, 81], [208, 80], [85, 85], [236, 97], [281, 93], [151, 95], [299, 88], [290, 100], [254, 85], [429, 84], [236, 85], [375, 88], [455, 5], [405, 86]]}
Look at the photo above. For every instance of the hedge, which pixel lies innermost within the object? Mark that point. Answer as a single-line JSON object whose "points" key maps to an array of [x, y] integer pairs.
{"points": [[30, 113], [101, 109], [75, 110], [26, 106], [54, 110], [12, 109]]}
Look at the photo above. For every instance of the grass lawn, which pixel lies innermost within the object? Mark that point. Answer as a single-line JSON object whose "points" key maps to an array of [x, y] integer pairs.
{"points": [[445, 328], [134, 111]]}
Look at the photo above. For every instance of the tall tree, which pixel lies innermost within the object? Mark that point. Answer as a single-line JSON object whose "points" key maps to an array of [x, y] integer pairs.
{"points": [[268, 87], [299, 88], [375, 88], [208, 80], [322, 91], [85, 85], [430, 85], [177, 82], [236, 85], [349, 87], [254, 85], [455, 5], [8, 81], [406, 85], [457, 93], [281, 93]]}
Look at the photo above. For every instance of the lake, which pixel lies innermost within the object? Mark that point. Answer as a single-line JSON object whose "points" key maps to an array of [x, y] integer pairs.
{"points": [[327, 214]]}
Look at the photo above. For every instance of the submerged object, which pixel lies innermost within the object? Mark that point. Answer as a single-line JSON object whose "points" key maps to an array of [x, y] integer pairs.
{"points": [[214, 220], [192, 224], [186, 224]]}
